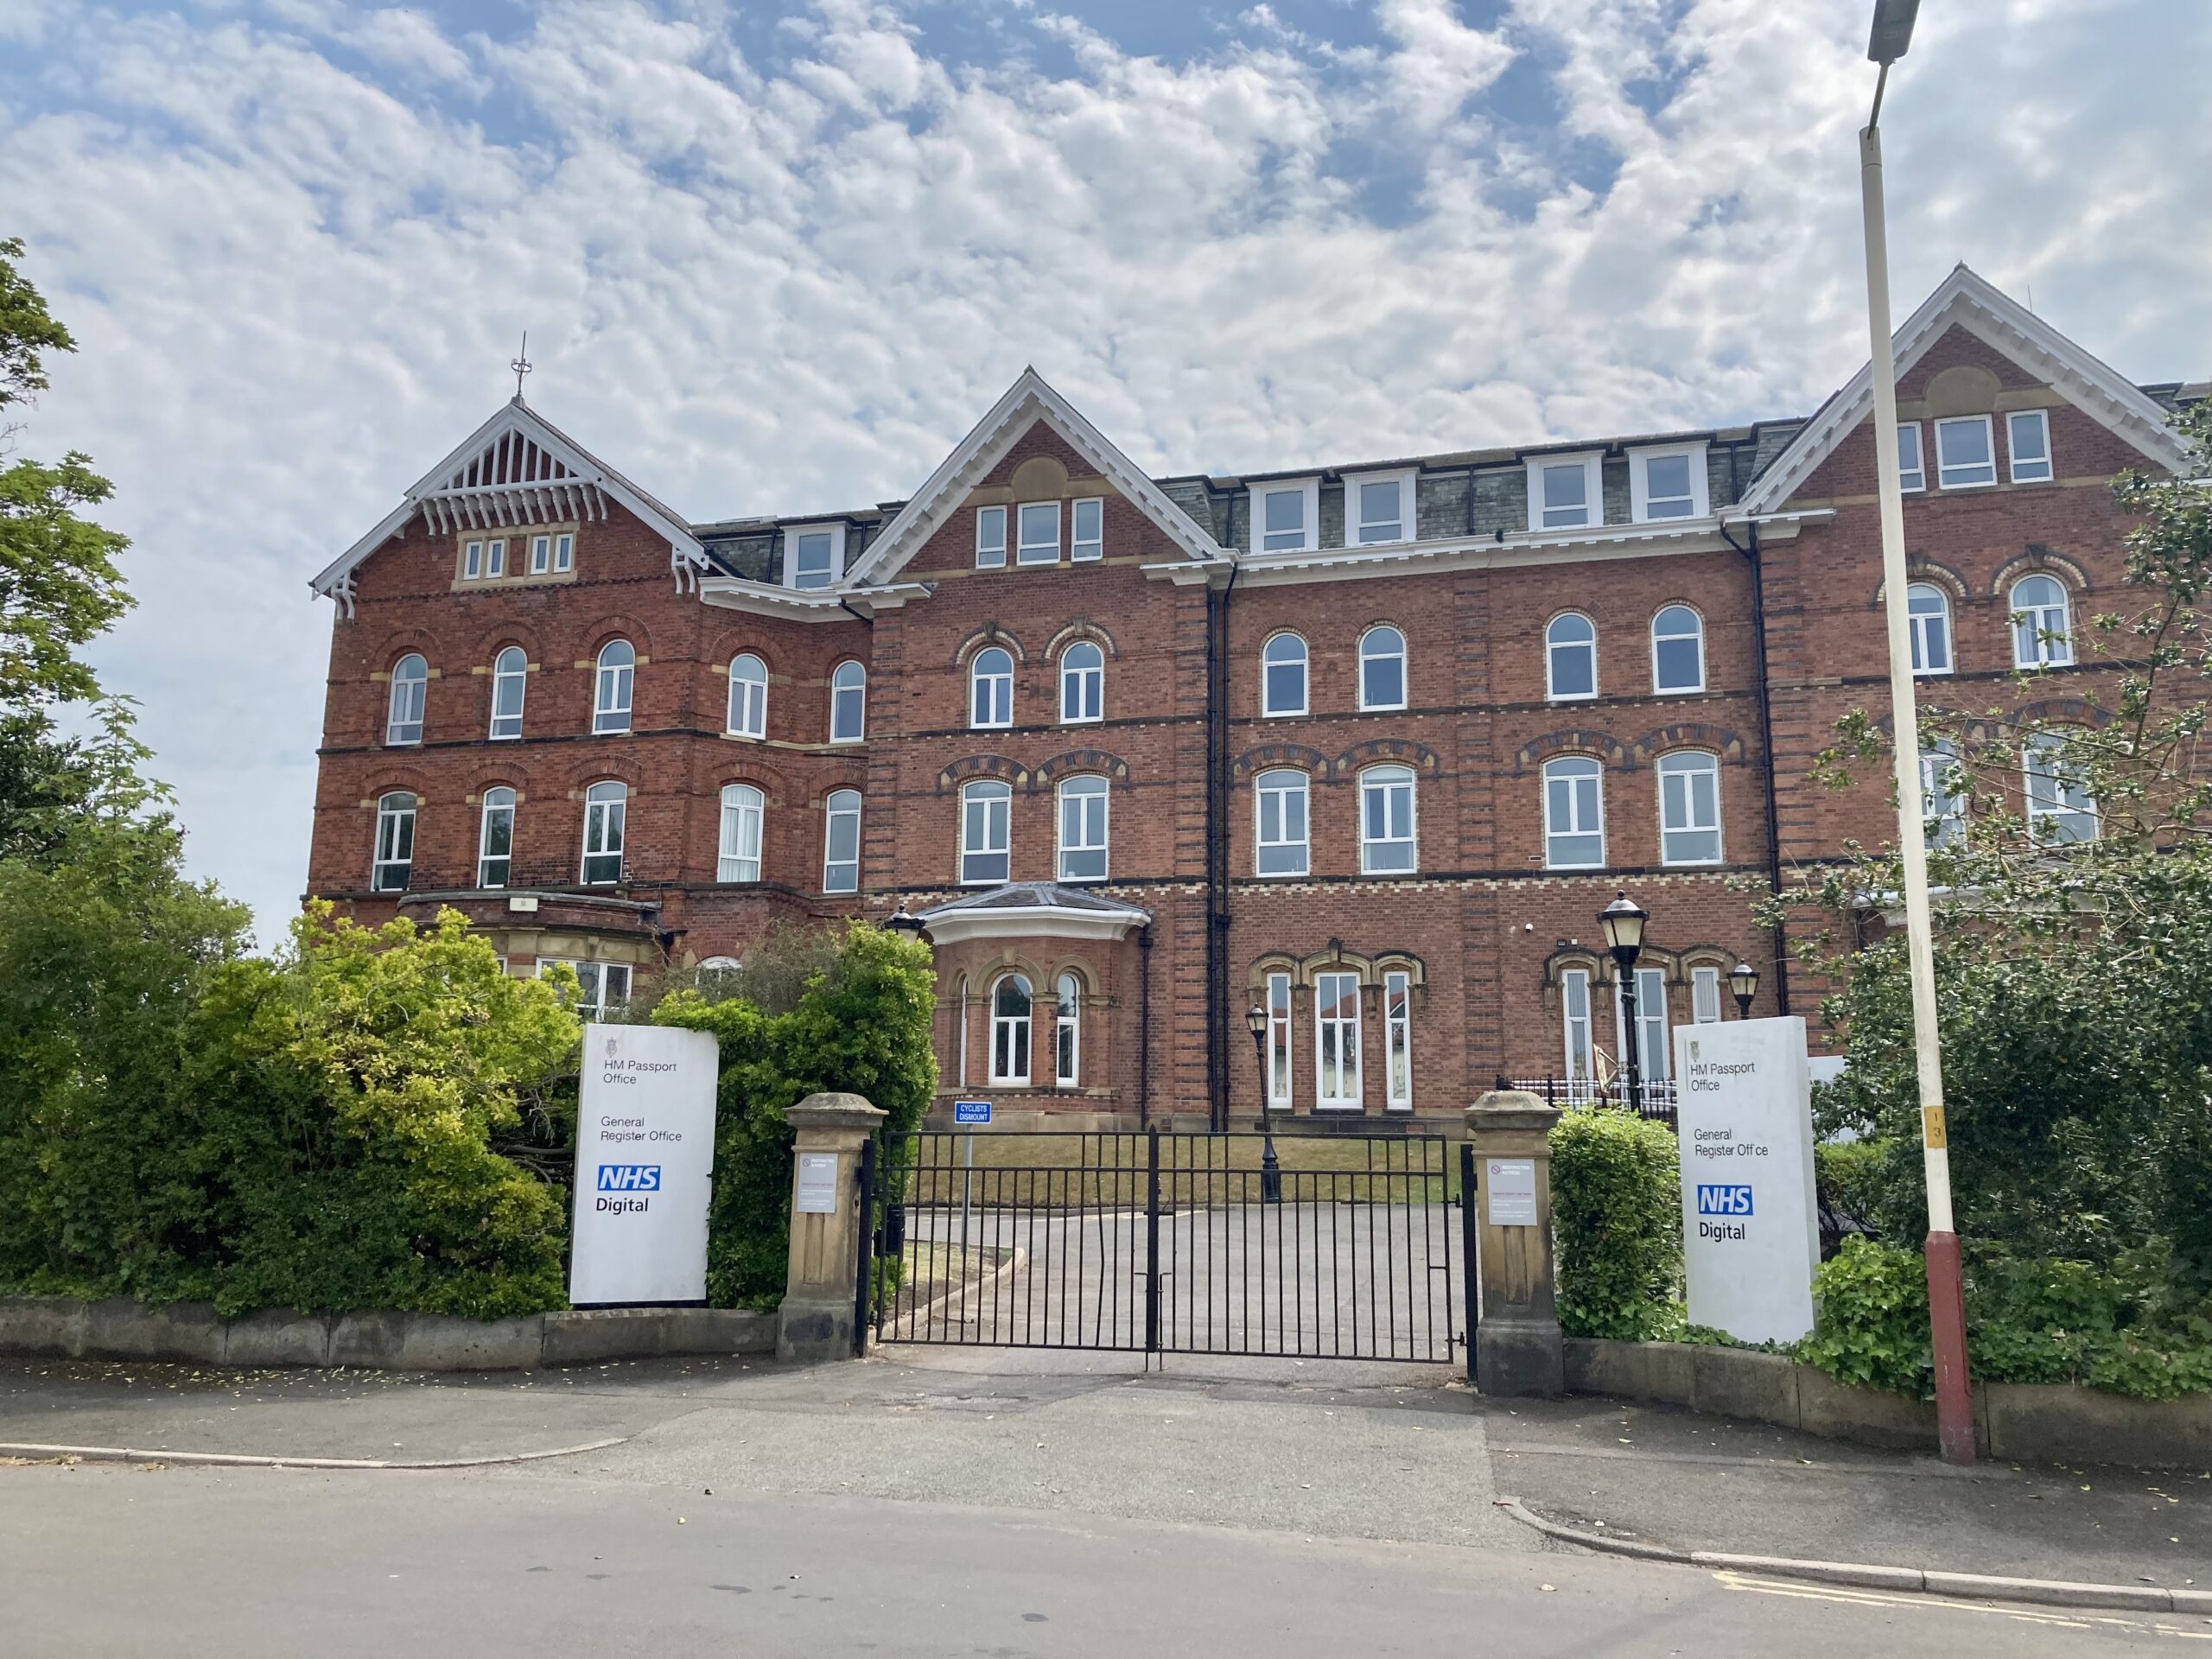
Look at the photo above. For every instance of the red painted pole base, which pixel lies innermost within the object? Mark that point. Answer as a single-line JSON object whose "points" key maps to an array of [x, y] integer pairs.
{"points": [[1947, 1318]]}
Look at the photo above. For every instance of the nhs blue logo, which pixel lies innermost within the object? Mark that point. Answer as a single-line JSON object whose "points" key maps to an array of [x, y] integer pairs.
{"points": [[629, 1178], [1724, 1200]]}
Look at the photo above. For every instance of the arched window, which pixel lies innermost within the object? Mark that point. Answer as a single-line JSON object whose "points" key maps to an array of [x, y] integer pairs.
{"points": [[1382, 669], [510, 676], [1082, 829], [607, 806], [2042, 636], [841, 841], [1010, 1030], [495, 842], [1943, 794], [395, 852], [748, 695], [1282, 676], [990, 688], [1574, 813], [411, 686], [1689, 808], [985, 808], [1386, 821], [1082, 684], [744, 811], [1281, 840], [1067, 1032], [1570, 657], [848, 703], [618, 669], [1677, 650], [1927, 617]]}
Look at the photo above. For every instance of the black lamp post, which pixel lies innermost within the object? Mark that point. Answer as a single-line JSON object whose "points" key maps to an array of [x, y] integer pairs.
{"points": [[903, 920], [1255, 1021], [1743, 981], [1624, 921]]}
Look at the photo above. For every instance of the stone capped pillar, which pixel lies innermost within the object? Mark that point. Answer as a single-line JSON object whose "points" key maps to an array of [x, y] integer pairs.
{"points": [[1517, 1346], [815, 1321]]}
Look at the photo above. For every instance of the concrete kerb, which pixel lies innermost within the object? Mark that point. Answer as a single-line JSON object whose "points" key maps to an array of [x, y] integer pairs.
{"points": [[34, 1451], [1868, 1575]]}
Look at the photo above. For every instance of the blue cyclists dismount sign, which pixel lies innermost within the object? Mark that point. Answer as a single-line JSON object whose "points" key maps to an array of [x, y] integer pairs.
{"points": [[971, 1111]]}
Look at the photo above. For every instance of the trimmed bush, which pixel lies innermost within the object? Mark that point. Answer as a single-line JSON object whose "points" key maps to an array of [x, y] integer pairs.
{"points": [[1870, 1319], [1617, 1216]]}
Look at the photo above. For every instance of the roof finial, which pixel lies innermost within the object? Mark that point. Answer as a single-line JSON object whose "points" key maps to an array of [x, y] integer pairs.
{"points": [[521, 364]]}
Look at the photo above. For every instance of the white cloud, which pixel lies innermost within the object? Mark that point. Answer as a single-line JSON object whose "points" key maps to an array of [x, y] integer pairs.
{"points": [[783, 270]]}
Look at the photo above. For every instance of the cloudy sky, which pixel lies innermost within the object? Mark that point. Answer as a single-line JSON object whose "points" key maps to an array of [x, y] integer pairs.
{"points": [[779, 257]]}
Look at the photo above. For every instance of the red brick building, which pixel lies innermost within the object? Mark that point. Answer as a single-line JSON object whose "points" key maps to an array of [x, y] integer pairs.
{"points": [[1365, 746]]}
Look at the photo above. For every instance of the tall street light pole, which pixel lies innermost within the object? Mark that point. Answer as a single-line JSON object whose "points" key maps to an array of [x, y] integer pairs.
{"points": [[1892, 34]]}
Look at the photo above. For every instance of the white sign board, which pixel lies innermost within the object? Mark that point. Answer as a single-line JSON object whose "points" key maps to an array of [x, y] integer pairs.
{"points": [[817, 1183], [1751, 1235], [1509, 1185], [644, 1157]]}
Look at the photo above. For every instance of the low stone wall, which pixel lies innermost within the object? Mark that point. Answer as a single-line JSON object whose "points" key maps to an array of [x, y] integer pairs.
{"points": [[2043, 1423], [119, 1328]]}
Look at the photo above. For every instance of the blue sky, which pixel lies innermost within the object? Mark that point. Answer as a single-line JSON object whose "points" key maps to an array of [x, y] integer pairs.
{"points": [[779, 257]]}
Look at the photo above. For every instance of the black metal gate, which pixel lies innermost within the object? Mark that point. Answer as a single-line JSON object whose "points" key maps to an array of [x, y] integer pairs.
{"points": [[1313, 1246]]}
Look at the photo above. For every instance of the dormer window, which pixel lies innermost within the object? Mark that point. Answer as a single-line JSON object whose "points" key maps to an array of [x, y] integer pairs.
{"points": [[814, 554], [1286, 516], [1565, 493], [1668, 483], [1378, 507]]}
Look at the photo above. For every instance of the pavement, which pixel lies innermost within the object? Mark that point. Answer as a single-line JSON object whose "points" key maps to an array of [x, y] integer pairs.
{"points": [[1296, 1480]]}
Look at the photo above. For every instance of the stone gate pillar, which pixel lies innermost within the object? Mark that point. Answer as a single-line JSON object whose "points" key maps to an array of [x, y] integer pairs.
{"points": [[1517, 1346], [815, 1321]]}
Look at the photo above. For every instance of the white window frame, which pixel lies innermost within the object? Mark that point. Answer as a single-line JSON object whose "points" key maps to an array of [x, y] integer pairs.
{"points": [[495, 558], [564, 552], [1405, 674], [485, 856], [500, 678], [748, 711], [607, 817], [1913, 479], [595, 982], [1309, 489], [1704, 994], [1688, 765], [1639, 483], [1696, 632], [2048, 748], [1559, 764], [1593, 485], [1654, 1021], [1087, 682], [1943, 808], [1011, 1034], [839, 692], [1920, 625], [1578, 1054], [395, 822], [1281, 1081], [541, 553], [1384, 780], [1304, 676], [1093, 788], [400, 720], [990, 539], [1023, 545], [472, 559], [2041, 417], [977, 792], [1085, 549], [614, 689], [1398, 1041], [837, 806], [1067, 1032], [2033, 645], [1355, 526], [1345, 1073], [1552, 693], [1944, 468], [744, 822], [792, 533], [990, 692], [1283, 792]]}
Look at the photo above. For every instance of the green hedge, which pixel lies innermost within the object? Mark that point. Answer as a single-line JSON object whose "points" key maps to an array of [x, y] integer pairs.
{"points": [[1617, 1219]]}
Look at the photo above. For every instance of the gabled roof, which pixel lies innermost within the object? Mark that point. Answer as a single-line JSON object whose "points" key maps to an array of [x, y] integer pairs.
{"points": [[516, 469], [2002, 322], [1027, 400]]}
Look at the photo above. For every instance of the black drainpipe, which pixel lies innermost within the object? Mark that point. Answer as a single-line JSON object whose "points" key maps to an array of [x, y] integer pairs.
{"points": [[1766, 752], [1217, 851], [1144, 1027]]}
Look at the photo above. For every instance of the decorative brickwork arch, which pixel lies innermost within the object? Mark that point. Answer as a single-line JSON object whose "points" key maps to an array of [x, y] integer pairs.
{"points": [[1598, 745], [1085, 976], [853, 776], [1335, 959], [1271, 961], [1402, 750], [774, 787], [991, 634], [493, 641], [400, 643], [1590, 958], [1918, 567], [1082, 628], [502, 771], [603, 768], [412, 779], [1295, 755], [734, 642], [2039, 560], [1079, 763], [1689, 735], [600, 633], [2062, 711], [1402, 961], [981, 766]]}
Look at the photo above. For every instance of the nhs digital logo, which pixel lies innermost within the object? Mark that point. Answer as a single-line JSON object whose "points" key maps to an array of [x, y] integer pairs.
{"points": [[1722, 1198], [633, 1177]]}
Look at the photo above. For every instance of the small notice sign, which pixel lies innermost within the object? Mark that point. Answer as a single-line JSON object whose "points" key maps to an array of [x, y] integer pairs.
{"points": [[971, 1111], [1509, 1186], [817, 1183]]}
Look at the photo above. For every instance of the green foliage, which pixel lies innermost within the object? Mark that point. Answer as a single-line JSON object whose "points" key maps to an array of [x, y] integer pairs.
{"points": [[1617, 1214], [1870, 1324], [1850, 1175], [859, 1023], [27, 330]]}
